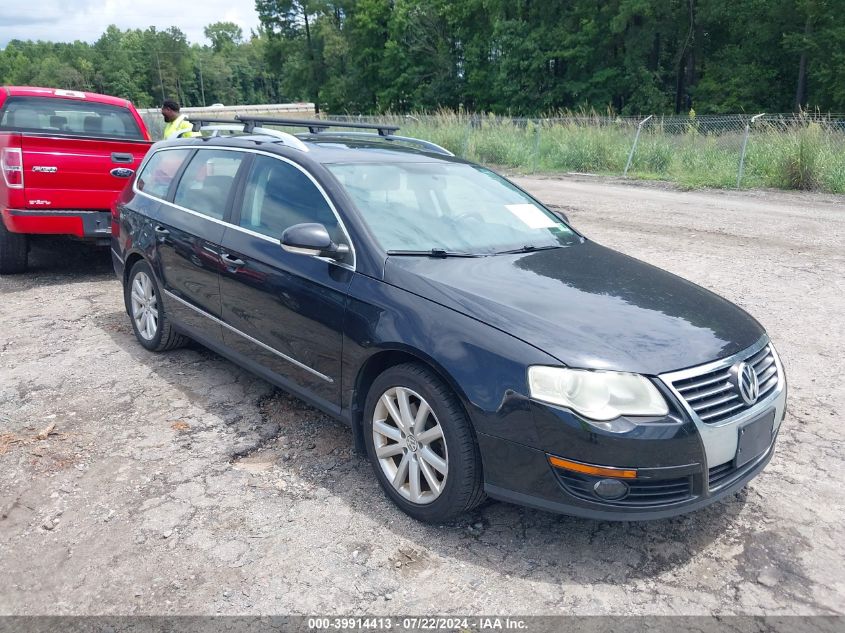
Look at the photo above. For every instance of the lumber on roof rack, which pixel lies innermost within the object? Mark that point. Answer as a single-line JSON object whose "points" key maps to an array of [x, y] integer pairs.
{"points": [[315, 126]]}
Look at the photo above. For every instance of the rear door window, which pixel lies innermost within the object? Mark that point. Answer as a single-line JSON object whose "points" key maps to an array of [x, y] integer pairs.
{"points": [[158, 174], [74, 117], [208, 181]]}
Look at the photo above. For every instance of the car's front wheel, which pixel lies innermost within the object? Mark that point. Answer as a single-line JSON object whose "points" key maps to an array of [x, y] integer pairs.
{"points": [[421, 444], [147, 313]]}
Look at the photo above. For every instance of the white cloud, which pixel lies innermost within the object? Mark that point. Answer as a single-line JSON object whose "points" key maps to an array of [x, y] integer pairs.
{"points": [[69, 20]]}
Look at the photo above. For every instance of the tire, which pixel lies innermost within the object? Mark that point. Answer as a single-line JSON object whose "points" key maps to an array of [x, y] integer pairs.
{"points": [[441, 438], [14, 251], [147, 312]]}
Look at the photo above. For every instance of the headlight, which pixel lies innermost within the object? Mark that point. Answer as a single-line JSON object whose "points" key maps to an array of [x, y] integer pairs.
{"points": [[598, 395]]}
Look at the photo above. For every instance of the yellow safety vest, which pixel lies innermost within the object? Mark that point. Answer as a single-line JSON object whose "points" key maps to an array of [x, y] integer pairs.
{"points": [[178, 128]]}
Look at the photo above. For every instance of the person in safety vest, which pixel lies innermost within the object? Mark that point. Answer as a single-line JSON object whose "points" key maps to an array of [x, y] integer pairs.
{"points": [[176, 125]]}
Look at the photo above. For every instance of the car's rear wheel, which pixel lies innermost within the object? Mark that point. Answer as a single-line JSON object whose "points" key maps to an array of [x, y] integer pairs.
{"points": [[14, 251], [147, 313], [421, 444]]}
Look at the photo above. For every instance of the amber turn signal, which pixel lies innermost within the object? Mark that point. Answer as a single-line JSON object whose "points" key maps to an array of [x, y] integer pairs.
{"points": [[587, 469]]}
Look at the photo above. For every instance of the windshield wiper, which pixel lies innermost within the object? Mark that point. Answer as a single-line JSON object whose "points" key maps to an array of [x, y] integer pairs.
{"points": [[434, 252], [529, 248]]}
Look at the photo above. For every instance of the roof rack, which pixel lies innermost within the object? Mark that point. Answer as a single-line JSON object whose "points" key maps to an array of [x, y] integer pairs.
{"points": [[202, 122], [423, 144], [317, 126], [229, 125], [252, 125]]}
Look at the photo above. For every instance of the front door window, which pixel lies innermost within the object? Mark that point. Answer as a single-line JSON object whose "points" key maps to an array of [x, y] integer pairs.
{"points": [[278, 195]]}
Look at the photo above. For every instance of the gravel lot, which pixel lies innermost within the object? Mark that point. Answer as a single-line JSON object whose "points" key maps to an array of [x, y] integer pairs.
{"points": [[179, 483]]}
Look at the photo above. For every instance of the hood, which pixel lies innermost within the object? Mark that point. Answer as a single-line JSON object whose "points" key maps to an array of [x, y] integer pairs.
{"points": [[586, 305]]}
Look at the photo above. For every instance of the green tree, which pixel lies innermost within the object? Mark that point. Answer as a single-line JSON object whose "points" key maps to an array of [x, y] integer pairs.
{"points": [[523, 57], [224, 36], [294, 46]]}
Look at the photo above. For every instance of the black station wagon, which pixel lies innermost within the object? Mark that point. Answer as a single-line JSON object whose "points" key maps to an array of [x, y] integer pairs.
{"points": [[476, 343]]}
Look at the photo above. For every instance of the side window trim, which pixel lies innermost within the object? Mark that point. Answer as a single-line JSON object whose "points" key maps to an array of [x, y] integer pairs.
{"points": [[235, 202], [177, 178], [234, 216]]}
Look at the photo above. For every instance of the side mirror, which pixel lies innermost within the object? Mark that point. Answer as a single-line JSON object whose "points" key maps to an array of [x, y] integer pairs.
{"points": [[561, 215], [312, 239]]}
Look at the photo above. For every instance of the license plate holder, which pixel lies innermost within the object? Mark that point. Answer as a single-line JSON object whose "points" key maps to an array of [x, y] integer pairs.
{"points": [[755, 437]]}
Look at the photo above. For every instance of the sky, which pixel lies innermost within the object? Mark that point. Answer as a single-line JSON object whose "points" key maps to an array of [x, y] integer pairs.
{"points": [[69, 20]]}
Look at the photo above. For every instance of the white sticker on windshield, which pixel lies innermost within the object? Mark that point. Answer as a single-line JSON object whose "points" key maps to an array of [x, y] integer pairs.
{"points": [[532, 216]]}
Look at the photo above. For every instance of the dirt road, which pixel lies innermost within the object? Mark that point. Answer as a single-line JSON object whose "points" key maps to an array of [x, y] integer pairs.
{"points": [[179, 483]]}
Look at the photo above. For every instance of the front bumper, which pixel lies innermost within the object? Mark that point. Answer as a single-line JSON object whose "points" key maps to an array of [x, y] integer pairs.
{"points": [[76, 222], [548, 494], [681, 463]]}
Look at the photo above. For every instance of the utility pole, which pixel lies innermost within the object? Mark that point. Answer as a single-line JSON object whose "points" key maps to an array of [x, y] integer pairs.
{"points": [[202, 84], [160, 80], [180, 96]]}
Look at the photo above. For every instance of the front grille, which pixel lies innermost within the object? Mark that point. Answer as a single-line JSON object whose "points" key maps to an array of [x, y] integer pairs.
{"points": [[720, 474], [727, 473], [643, 492], [714, 398]]}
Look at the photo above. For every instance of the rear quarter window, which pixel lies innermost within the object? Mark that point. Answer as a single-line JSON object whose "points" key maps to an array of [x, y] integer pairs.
{"points": [[73, 117], [158, 174]]}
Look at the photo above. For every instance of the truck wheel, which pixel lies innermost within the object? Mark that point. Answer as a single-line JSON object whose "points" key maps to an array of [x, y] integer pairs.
{"points": [[147, 313], [14, 249], [421, 445]]}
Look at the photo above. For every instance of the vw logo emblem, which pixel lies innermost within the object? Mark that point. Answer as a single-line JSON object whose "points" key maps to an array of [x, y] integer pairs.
{"points": [[746, 382], [411, 443]]}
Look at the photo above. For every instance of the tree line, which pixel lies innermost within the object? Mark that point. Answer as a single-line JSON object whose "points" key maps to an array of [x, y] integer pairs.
{"points": [[148, 66], [520, 57]]}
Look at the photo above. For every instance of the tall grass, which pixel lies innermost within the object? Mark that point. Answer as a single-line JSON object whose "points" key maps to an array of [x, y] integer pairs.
{"points": [[582, 148], [808, 158], [806, 155]]}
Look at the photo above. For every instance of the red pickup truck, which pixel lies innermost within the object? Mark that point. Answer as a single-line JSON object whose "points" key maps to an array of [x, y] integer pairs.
{"points": [[64, 156]]}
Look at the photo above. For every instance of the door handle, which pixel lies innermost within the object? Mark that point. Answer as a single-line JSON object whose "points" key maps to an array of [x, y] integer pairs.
{"points": [[232, 261], [160, 230], [119, 157]]}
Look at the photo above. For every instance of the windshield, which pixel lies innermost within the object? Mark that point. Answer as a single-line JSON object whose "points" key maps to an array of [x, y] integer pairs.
{"points": [[448, 207]]}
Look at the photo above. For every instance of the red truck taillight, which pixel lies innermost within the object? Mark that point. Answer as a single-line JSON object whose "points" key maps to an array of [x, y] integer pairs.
{"points": [[11, 162]]}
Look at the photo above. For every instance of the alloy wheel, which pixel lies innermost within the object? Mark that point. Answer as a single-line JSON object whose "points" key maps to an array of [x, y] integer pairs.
{"points": [[144, 306], [409, 445]]}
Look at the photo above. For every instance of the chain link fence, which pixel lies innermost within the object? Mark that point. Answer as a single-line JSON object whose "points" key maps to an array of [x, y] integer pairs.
{"points": [[788, 151]]}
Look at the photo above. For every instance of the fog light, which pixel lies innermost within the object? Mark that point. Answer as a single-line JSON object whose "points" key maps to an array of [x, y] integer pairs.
{"points": [[610, 489]]}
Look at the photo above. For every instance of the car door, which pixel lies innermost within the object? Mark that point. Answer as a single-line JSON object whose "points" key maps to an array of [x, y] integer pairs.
{"points": [[284, 311], [189, 229]]}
